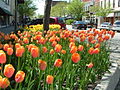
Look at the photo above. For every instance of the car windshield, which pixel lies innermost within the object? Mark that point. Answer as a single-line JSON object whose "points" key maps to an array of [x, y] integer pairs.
{"points": [[117, 23], [80, 22]]}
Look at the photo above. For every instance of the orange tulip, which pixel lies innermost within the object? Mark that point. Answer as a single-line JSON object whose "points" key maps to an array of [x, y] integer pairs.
{"points": [[9, 51], [54, 43], [82, 39], [90, 51], [100, 39], [26, 40], [71, 44], [63, 51], [2, 57], [42, 64], [44, 49], [73, 49], [58, 48], [75, 57], [17, 45], [80, 47], [49, 79], [35, 52], [19, 77], [58, 63], [90, 65], [0, 81], [96, 51], [97, 45], [9, 70], [52, 51], [93, 41], [4, 82], [106, 37], [90, 38], [1, 46], [5, 47], [19, 51]]}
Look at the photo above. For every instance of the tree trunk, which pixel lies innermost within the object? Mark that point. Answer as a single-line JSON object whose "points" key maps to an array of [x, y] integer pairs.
{"points": [[47, 14]]}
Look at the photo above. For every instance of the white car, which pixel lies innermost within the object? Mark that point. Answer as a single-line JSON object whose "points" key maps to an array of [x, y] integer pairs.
{"points": [[116, 26], [105, 25]]}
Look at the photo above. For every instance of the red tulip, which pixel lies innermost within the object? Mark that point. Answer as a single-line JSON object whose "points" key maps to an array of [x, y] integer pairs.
{"points": [[2, 57], [75, 57], [42, 64], [9, 70], [19, 77], [58, 63], [49, 79]]}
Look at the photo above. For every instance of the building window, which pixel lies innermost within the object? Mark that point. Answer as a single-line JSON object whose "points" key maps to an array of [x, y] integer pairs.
{"points": [[118, 3], [109, 3], [105, 4], [113, 3], [101, 4], [6, 1]]}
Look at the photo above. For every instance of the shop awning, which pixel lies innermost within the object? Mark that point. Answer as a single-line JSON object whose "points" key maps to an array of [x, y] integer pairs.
{"points": [[5, 12], [110, 15]]}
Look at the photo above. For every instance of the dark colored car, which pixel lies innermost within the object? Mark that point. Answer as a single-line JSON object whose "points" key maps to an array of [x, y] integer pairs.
{"points": [[79, 25], [53, 20]]}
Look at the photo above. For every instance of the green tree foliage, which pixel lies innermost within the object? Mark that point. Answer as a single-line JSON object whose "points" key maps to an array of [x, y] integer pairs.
{"points": [[99, 11], [59, 9], [27, 9], [76, 9]]}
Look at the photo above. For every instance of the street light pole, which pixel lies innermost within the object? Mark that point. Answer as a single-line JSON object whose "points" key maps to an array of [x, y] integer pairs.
{"points": [[15, 15]]}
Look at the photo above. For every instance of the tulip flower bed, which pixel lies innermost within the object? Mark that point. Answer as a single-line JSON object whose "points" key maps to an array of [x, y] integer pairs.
{"points": [[55, 61]]}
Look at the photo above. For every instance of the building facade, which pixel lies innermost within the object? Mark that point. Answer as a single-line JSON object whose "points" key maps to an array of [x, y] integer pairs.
{"points": [[7, 11], [90, 16], [115, 7]]}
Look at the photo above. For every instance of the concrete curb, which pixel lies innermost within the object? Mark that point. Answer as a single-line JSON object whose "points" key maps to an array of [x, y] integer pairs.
{"points": [[110, 80]]}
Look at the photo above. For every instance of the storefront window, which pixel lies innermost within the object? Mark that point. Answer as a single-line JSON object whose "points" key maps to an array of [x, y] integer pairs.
{"points": [[118, 3]]}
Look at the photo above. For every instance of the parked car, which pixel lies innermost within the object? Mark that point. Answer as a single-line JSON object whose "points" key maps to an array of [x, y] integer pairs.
{"points": [[116, 25], [105, 25], [53, 20], [79, 25]]}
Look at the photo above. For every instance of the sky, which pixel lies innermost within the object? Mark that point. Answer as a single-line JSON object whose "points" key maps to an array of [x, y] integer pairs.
{"points": [[40, 4]]}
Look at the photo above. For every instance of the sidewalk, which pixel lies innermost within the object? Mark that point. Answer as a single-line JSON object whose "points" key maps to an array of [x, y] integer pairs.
{"points": [[7, 29], [115, 54]]}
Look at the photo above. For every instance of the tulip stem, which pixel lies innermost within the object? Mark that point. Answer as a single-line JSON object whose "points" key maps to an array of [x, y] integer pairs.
{"points": [[18, 63], [16, 86], [1, 69]]}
